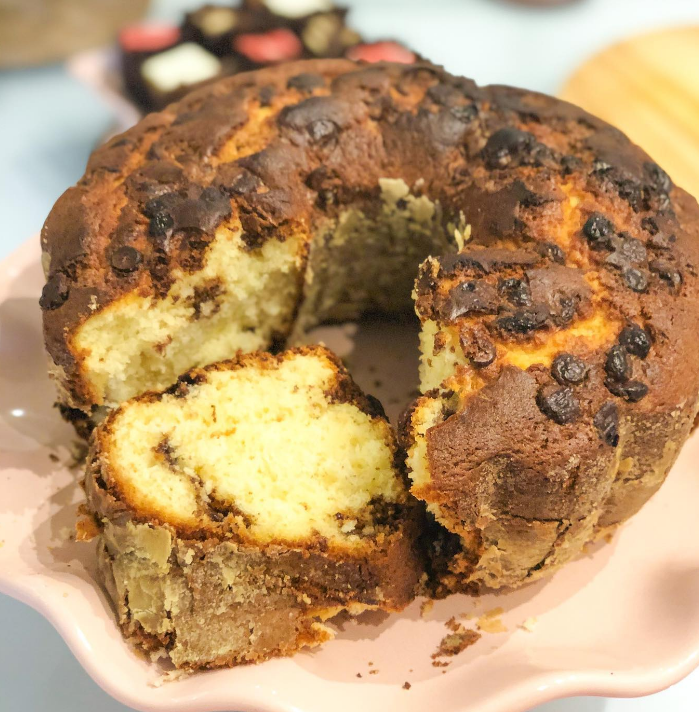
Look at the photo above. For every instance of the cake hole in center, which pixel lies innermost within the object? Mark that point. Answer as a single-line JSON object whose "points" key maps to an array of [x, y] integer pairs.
{"points": [[381, 352]]}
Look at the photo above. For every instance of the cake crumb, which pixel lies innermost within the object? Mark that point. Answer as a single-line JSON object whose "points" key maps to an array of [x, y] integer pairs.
{"points": [[359, 674], [462, 235], [86, 528], [490, 622], [373, 672], [452, 625], [170, 676], [456, 641], [159, 654], [425, 607], [406, 685], [529, 624], [66, 533]]}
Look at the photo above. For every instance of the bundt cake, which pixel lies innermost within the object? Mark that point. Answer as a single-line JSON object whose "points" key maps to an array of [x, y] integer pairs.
{"points": [[557, 293], [245, 505]]}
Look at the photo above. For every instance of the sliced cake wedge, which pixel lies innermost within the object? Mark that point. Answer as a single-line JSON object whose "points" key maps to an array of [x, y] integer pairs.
{"points": [[247, 504]]}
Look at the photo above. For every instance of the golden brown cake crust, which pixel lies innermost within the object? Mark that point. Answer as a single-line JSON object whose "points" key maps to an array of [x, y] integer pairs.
{"points": [[511, 161]]}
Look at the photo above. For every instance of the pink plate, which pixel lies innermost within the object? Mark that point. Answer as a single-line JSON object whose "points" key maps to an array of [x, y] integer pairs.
{"points": [[621, 621]]}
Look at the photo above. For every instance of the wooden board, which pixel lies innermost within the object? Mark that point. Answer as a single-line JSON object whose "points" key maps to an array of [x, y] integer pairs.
{"points": [[648, 86]]}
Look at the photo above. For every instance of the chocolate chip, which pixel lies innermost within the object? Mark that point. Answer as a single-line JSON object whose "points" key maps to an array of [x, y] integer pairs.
{"points": [[160, 225], [634, 250], [507, 146], [265, 95], [306, 81], [617, 364], [55, 291], [606, 421], [161, 204], [565, 311], [244, 183], [634, 391], [551, 251], [126, 259], [516, 291], [322, 130], [617, 260], [635, 279], [635, 340], [465, 114], [484, 355], [598, 231], [443, 128], [478, 348], [631, 391], [650, 225], [601, 167], [658, 178], [666, 272], [523, 321], [630, 191], [558, 404], [202, 212], [568, 369], [570, 164]]}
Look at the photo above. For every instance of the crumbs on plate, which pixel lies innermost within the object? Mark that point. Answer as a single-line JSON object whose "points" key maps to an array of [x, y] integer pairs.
{"points": [[529, 624], [456, 641], [490, 622]]}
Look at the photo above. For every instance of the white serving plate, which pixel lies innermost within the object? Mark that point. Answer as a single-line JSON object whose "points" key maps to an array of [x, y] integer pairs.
{"points": [[621, 621]]}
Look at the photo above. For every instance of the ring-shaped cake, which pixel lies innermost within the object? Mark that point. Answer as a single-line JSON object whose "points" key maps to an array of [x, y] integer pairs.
{"points": [[556, 285]]}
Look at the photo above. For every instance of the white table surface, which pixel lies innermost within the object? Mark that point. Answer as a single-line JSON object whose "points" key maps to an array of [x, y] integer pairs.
{"points": [[49, 123]]}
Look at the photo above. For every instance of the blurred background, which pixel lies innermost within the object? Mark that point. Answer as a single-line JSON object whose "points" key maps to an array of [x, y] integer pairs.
{"points": [[73, 72]]}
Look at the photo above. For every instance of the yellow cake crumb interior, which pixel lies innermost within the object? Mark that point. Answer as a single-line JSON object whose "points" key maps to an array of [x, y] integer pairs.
{"points": [[358, 262], [262, 440], [143, 343]]}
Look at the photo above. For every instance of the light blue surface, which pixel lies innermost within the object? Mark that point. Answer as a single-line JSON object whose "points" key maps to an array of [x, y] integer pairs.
{"points": [[49, 123]]}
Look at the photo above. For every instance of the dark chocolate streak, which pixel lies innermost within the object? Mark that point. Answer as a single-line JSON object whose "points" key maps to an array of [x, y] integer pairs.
{"points": [[216, 510]]}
